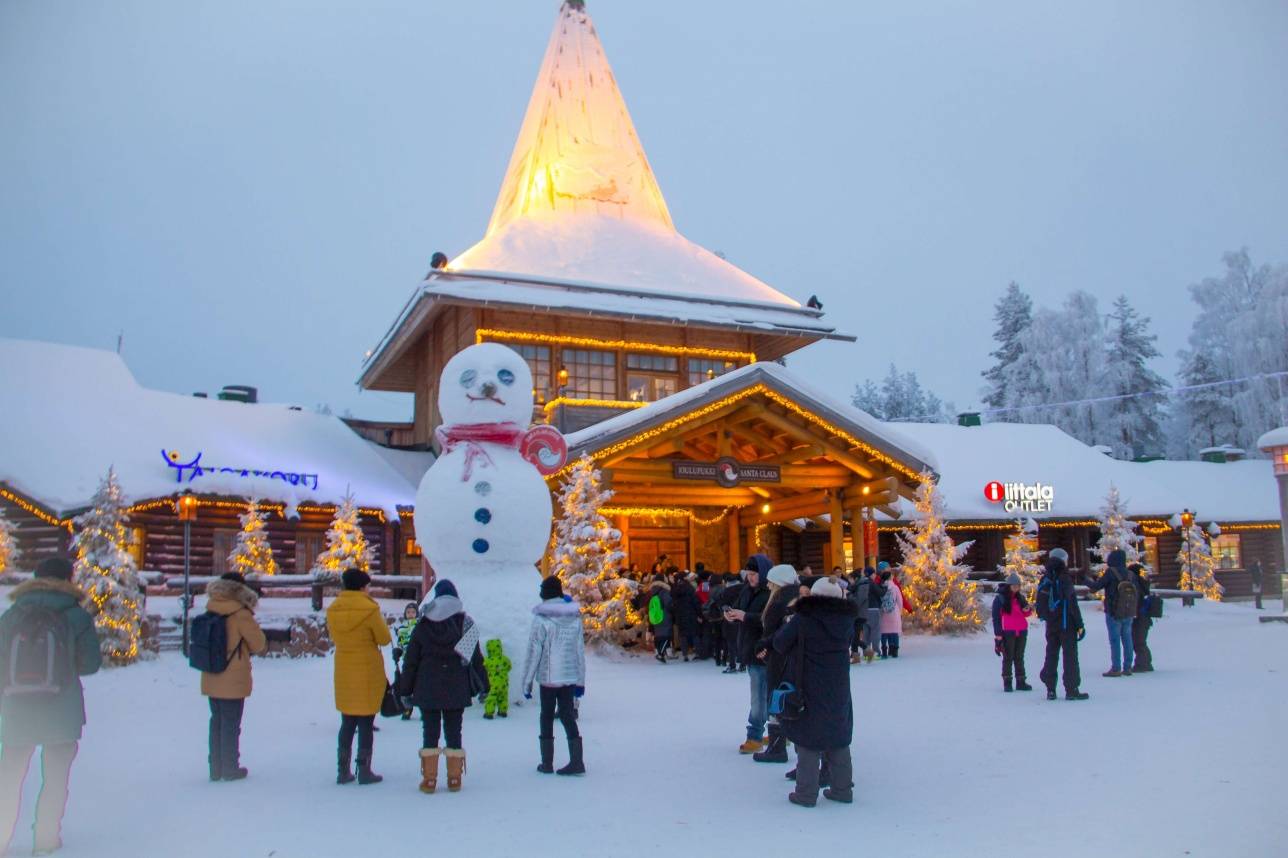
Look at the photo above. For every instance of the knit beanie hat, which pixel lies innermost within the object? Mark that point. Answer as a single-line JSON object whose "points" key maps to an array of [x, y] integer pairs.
{"points": [[355, 579], [783, 575], [826, 587], [1059, 554], [551, 588], [55, 567], [1013, 579], [445, 588]]}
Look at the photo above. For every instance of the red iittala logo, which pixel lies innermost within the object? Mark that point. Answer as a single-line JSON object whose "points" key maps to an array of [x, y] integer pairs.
{"points": [[995, 492], [1021, 497]]}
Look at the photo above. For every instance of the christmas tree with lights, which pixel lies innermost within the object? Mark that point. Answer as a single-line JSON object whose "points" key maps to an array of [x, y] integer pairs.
{"points": [[104, 569], [253, 555], [9, 552], [346, 547], [1022, 559], [587, 556], [1198, 566], [941, 598], [1117, 532]]}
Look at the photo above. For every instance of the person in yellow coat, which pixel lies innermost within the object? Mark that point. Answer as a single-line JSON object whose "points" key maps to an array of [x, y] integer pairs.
{"points": [[358, 630]]}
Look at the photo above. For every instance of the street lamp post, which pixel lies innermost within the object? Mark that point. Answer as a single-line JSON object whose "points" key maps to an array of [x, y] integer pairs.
{"points": [[563, 387], [1183, 520], [1275, 444], [186, 507]]}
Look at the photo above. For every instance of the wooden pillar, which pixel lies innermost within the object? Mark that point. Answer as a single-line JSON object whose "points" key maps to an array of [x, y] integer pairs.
{"points": [[692, 546], [835, 510], [856, 536], [623, 524], [735, 553]]}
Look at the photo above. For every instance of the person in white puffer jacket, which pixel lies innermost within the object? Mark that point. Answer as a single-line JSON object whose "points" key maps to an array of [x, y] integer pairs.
{"points": [[557, 662]]}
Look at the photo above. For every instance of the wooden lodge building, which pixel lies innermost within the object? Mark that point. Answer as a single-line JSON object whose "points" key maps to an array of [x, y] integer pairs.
{"points": [[659, 359]]}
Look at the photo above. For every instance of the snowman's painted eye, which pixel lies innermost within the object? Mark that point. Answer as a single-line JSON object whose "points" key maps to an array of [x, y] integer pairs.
{"points": [[467, 378], [505, 377]]}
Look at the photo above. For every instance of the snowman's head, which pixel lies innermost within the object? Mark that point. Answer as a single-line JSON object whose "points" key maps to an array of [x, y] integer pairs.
{"points": [[486, 383]]}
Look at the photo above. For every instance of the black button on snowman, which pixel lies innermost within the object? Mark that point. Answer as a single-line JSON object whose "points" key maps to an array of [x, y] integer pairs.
{"points": [[484, 506]]}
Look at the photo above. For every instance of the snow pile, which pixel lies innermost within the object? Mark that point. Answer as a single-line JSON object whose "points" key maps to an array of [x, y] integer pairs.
{"points": [[70, 412]]}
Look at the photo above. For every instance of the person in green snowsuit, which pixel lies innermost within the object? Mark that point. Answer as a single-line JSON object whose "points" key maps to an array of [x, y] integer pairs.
{"points": [[498, 677], [402, 637]]}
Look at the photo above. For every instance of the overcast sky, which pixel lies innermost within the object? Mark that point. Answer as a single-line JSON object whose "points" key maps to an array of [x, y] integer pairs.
{"points": [[251, 190]]}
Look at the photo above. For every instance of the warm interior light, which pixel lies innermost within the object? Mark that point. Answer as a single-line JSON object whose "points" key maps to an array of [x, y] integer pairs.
{"points": [[563, 376], [867, 490], [764, 508]]}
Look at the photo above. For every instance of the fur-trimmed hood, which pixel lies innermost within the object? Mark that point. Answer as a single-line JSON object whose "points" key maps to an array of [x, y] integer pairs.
{"points": [[821, 606], [237, 594], [47, 585], [555, 608]]}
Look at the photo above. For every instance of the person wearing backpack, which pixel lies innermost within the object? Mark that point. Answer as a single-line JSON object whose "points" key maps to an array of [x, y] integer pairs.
{"points": [[1122, 601], [1144, 659], [358, 630], [661, 620], [1011, 631], [685, 607], [1057, 606], [815, 643], [42, 702], [891, 615], [229, 626]]}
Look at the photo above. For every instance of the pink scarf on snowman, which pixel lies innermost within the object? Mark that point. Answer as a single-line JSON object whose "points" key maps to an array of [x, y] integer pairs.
{"points": [[474, 436]]}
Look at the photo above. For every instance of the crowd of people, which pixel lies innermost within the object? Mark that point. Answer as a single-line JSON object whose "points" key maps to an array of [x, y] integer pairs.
{"points": [[794, 635]]}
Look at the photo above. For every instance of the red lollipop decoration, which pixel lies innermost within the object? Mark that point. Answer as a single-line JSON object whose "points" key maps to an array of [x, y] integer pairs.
{"points": [[545, 448]]}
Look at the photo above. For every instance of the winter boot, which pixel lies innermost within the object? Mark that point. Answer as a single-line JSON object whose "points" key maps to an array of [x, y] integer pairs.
{"points": [[455, 768], [345, 764], [216, 770], [575, 765], [1006, 684], [1075, 694], [488, 716], [800, 800], [365, 774], [751, 746], [1050, 694], [1022, 685], [869, 654], [894, 650], [429, 769], [791, 776], [775, 751], [238, 773], [845, 796], [547, 765]]}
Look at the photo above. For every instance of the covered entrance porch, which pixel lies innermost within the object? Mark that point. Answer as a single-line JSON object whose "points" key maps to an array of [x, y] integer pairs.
{"points": [[708, 475]]}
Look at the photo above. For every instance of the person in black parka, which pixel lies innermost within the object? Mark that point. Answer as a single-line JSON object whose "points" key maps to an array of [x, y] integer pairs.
{"points": [[436, 676], [1144, 661], [685, 606], [662, 631], [817, 639], [1057, 605], [729, 595]]}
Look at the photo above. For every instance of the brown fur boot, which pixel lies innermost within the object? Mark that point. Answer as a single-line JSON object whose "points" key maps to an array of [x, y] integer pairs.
{"points": [[455, 768], [429, 769]]}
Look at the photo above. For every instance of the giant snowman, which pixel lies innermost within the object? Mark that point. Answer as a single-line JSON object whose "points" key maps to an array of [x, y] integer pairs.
{"points": [[483, 510]]}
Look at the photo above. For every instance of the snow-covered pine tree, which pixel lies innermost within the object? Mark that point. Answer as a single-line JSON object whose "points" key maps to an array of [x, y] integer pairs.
{"points": [[940, 595], [1023, 560], [1206, 418], [587, 557], [901, 397], [104, 569], [346, 547], [1013, 313], [9, 552], [1198, 566], [1132, 426], [253, 555], [1117, 532]]}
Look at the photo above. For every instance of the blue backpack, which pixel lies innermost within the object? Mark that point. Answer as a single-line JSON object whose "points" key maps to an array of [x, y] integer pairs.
{"points": [[1048, 601], [208, 643]]}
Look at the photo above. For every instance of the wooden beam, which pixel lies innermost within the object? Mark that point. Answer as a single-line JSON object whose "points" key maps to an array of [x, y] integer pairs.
{"points": [[681, 496], [838, 532], [796, 454], [856, 536], [649, 443], [843, 456], [735, 550]]}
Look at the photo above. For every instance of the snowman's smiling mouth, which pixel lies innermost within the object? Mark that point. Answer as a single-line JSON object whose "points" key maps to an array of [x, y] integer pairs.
{"points": [[490, 398]]}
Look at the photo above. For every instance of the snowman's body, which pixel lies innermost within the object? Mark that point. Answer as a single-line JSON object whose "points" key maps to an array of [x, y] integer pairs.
{"points": [[483, 511]]}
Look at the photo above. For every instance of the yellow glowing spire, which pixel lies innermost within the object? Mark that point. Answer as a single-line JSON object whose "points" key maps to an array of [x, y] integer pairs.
{"points": [[577, 150]]}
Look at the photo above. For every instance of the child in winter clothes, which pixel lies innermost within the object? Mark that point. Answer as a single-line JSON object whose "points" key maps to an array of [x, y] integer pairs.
{"points": [[402, 637], [498, 677], [891, 616], [1011, 631]]}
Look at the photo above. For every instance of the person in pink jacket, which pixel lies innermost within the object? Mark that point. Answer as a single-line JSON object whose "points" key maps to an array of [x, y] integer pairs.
{"points": [[1011, 631], [891, 616]]}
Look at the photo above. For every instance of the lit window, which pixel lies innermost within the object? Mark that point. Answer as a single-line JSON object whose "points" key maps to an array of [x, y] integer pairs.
{"points": [[1017, 539], [412, 548], [538, 358], [138, 545], [1151, 553], [591, 374], [651, 377], [1227, 551], [702, 369]]}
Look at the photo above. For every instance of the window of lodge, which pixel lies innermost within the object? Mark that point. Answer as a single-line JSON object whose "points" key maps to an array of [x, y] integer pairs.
{"points": [[651, 377], [703, 369], [1151, 553], [1226, 551], [538, 358], [591, 374]]}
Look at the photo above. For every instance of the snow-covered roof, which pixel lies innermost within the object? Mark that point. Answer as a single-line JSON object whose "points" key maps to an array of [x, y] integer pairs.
{"points": [[883, 436], [1273, 438], [69, 413], [579, 200], [971, 457]]}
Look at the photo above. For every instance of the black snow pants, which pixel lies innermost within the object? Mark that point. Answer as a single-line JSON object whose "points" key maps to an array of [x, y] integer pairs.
{"points": [[1060, 640], [1013, 644]]}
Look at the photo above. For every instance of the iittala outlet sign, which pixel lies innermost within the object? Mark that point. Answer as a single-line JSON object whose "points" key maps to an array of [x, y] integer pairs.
{"points": [[1021, 497]]}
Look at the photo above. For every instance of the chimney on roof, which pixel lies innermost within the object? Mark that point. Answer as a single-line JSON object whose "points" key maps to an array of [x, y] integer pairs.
{"points": [[239, 393], [1222, 454], [968, 418]]}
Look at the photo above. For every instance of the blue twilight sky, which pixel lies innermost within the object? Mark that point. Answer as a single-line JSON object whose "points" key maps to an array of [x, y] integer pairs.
{"points": [[251, 190]]}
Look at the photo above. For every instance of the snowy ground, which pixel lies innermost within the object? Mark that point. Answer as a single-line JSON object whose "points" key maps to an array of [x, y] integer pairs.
{"points": [[1186, 761]]}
